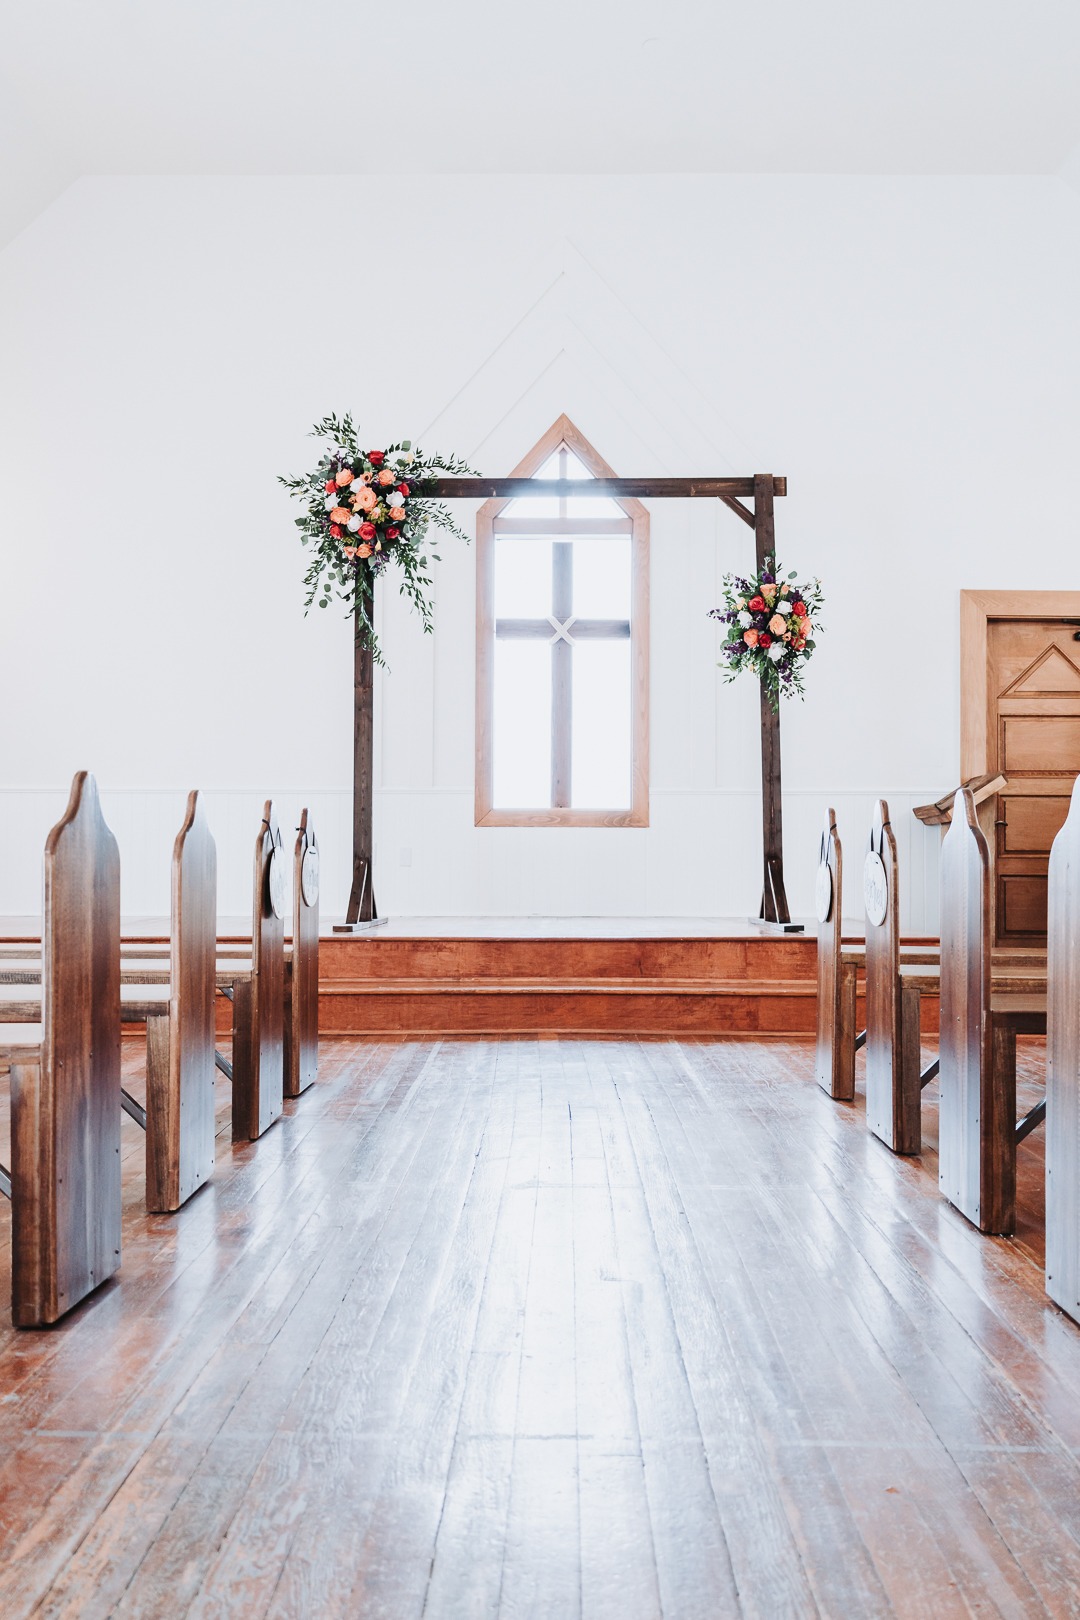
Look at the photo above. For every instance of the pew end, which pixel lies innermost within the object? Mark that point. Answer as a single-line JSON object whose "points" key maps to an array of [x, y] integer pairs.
{"points": [[834, 1064], [894, 990], [302, 966], [258, 1059], [65, 1094], [1063, 1066], [980, 1020]]}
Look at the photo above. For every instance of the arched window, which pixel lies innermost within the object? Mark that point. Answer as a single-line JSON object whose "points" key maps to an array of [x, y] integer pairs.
{"points": [[562, 713]]}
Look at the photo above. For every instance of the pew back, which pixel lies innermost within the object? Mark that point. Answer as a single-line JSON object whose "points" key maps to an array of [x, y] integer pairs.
{"points": [[970, 1115], [65, 1108], [893, 1101], [835, 1056], [302, 1020], [180, 1045], [1063, 1067], [259, 1000]]}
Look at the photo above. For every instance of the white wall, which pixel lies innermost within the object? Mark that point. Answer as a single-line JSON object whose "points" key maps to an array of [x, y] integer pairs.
{"points": [[905, 350]]}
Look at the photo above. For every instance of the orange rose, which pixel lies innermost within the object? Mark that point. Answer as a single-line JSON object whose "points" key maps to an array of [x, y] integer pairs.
{"points": [[350, 552], [750, 637], [365, 499], [805, 627], [777, 624], [397, 514], [340, 514], [344, 477], [386, 476], [363, 551]]}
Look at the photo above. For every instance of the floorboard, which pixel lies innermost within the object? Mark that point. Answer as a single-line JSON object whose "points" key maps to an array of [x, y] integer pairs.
{"points": [[610, 1329]]}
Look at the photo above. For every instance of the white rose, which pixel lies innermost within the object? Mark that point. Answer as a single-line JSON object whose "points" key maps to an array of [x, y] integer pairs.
{"points": [[745, 619], [354, 523], [783, 607], [777, 651], [330, 502], [357, 485]]}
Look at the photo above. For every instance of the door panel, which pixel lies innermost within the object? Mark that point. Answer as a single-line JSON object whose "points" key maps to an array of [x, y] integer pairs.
{"points": [[1023, 905], [1031, 825], [1033, 725], [1040, 744]]}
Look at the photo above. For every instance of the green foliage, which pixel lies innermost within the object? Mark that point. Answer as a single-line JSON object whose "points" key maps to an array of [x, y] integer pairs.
{"points": [[331, 572]]}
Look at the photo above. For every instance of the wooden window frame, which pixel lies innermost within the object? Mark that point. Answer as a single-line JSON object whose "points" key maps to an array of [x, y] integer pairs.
{"points": [[562, 432]]}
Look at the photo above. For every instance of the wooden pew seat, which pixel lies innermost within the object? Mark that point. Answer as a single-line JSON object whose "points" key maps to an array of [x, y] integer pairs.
{"points": [[19, 1043]]}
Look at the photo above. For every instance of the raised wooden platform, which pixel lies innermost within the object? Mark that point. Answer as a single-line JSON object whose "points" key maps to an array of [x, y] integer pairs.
{"points": [[581, 976], [550, 985]]}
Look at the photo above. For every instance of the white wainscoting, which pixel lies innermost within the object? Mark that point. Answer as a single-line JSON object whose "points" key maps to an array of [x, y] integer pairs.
{"points": [[699, 858]]}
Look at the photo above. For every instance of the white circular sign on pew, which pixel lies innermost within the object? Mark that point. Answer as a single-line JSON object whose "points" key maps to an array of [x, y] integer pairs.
{"points": [[275, 879], [823, 892], [309, 875], [875, 888]]}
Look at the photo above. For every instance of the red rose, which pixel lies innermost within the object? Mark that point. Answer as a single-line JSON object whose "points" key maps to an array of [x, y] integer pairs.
{"points": [[376, 457], [403, 489], [392, 533], [799, 609], [366, 531], [757, 604], [335, 530], [764, 640], [330, 486]]}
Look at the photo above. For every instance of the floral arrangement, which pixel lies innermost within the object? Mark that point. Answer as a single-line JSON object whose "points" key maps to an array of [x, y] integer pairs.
{"points": [[365, 509], [772, 626]]}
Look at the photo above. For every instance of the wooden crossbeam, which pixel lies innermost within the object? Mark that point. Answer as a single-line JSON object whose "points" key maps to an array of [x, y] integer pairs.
{"points": [[481, 489]]}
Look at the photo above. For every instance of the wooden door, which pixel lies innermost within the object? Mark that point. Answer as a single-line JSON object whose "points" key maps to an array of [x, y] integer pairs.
{"points": [[1033, 739]]}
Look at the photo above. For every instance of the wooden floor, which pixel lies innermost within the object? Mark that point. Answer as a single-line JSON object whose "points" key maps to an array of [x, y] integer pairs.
{"points": [[549, 1329]]}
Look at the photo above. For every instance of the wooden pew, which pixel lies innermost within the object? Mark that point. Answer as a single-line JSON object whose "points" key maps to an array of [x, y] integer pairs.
{"points": [[302, 966], [153, 978], [148, 964], [896, 985], [258, 1062], [1063, 1067], [978, 1129], [839, 963], [300, 1027], [65, 1078]]}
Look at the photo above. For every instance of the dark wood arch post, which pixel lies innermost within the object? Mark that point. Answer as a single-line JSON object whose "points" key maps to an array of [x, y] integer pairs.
{"points": [[774, 906], [362, 909]]}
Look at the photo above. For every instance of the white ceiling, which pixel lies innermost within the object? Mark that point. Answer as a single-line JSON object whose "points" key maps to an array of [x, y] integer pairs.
{"points": [[575, 86]]}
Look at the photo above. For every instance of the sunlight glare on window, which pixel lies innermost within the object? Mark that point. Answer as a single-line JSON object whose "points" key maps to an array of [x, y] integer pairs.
{"points": [[522, 725], [601, 735], [522, 578], [602, 576]]}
